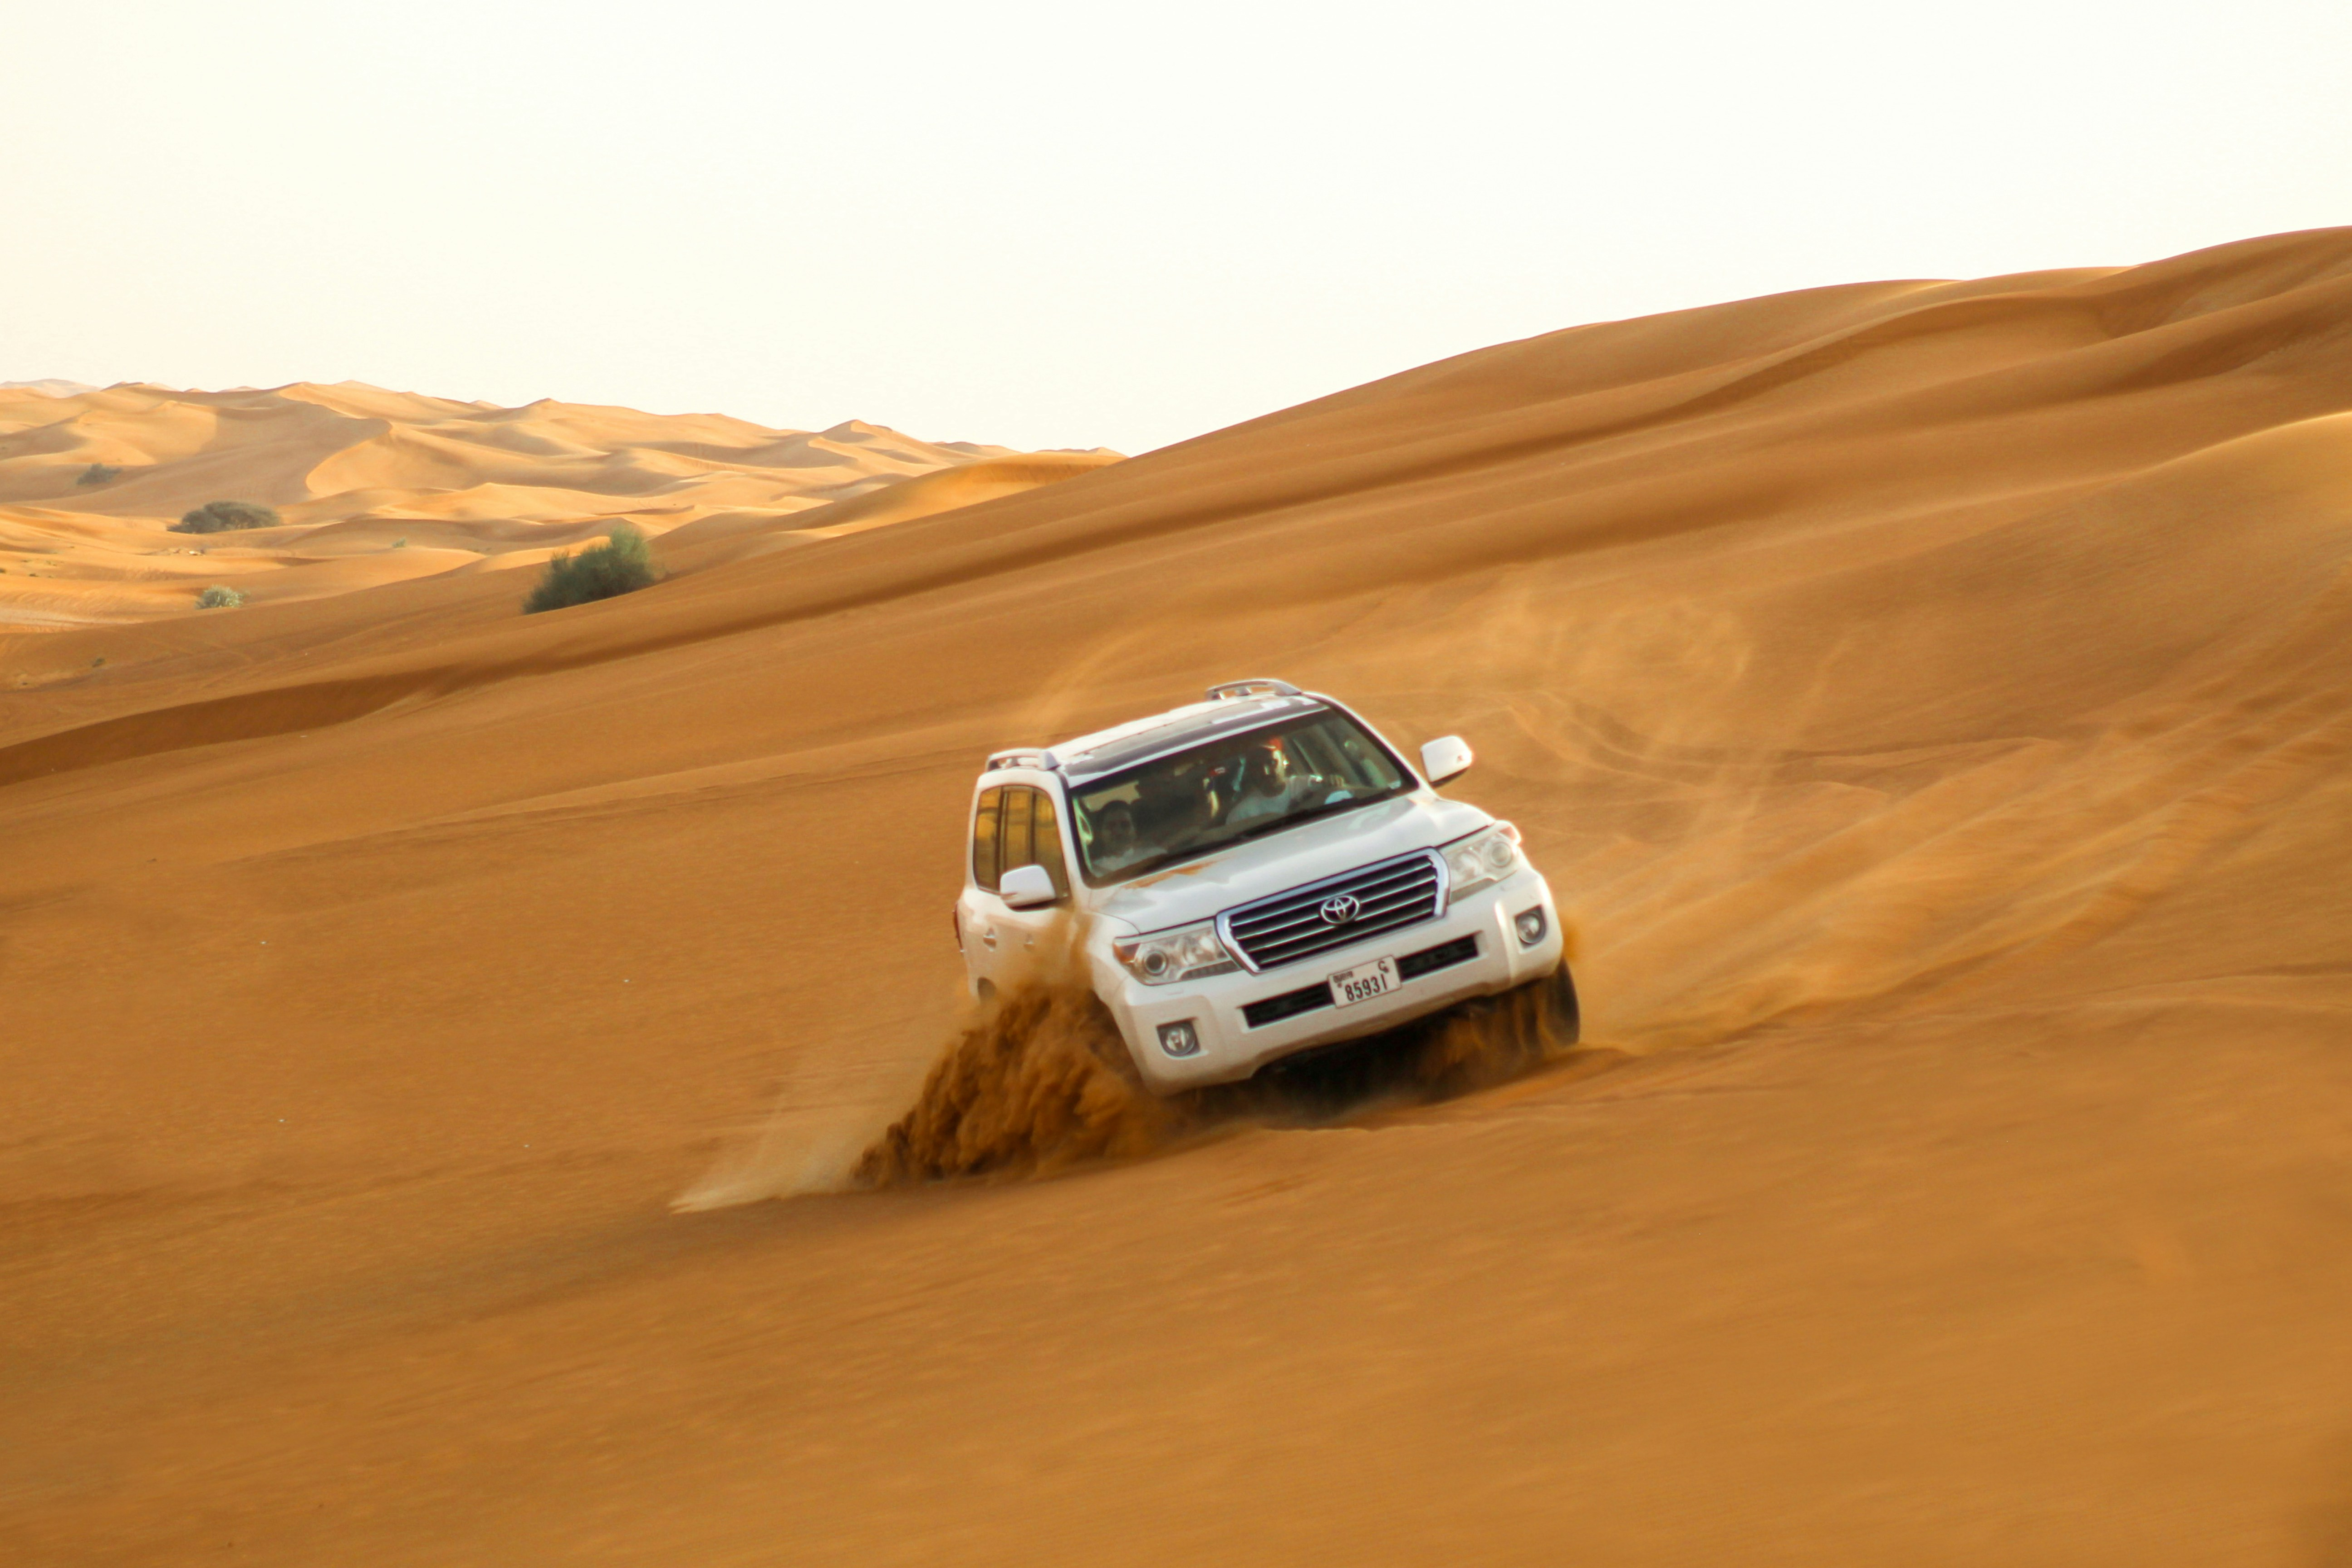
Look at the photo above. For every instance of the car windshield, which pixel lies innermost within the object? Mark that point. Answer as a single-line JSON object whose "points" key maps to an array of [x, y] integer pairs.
{"points": [[1238, 786]]}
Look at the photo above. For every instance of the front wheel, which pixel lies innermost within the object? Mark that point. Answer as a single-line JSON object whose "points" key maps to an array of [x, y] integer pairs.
{"points": [[1565, 1018]]}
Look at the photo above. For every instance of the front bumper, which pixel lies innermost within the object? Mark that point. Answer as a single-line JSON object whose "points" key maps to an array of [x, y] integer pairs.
{"points": [[1232, 1047]]}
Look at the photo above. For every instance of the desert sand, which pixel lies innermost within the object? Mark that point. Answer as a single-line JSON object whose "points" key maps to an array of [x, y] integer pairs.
{"points": [[1929, 700], [376, 487]]}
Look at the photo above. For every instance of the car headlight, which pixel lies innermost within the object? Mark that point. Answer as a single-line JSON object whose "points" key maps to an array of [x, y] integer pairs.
{"points": [[1480, 860], [1172, 955]]}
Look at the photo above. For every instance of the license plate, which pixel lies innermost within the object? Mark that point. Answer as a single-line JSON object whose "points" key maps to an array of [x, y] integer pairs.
{"points": [[1364, 982]]}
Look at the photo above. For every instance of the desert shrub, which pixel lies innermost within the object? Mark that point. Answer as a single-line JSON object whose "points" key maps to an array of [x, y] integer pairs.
{"points": [[98, 473], [225, 516], [622, 565], [219, 598]]}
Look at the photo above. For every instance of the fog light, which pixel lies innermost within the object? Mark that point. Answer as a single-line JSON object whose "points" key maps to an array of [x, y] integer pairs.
{"points": [[1180, 1039], [1531, 927]]}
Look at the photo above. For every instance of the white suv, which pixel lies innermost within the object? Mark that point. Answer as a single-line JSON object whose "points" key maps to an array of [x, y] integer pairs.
{"points": [[1256, 875]]}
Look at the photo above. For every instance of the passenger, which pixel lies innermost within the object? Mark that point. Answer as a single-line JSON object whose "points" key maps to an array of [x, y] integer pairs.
{"points": [[1116, 846]]}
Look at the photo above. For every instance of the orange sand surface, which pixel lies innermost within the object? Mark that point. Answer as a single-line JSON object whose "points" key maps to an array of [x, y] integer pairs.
{"points": [[379, 487], [1930, 701]]}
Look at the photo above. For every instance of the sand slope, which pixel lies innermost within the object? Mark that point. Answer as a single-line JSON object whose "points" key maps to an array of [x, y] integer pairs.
{"points": [[380, 487], [1928, 698]]}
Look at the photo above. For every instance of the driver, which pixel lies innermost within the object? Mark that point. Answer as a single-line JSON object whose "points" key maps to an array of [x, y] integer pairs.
{"points": [[1267, 789]]}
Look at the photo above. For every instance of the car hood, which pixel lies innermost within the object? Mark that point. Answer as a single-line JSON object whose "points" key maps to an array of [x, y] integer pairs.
{"points": [[1257, 868]]}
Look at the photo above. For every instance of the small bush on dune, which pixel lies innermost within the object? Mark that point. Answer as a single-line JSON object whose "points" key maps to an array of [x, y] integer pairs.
{"points": [[622, 565], [227, 516], [98, 473], [219, 598]]}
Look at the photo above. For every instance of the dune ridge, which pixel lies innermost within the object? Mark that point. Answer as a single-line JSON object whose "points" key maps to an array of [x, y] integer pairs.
{"points": [[1927, 698], [380, 487]]}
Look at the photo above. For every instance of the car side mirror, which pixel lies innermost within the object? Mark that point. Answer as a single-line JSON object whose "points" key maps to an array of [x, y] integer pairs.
{"points": [[1446, 757], [1026, 887]]}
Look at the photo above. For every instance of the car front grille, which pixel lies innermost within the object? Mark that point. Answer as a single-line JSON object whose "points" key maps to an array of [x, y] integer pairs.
{"points": [[1308, 998], [1293, 925]]}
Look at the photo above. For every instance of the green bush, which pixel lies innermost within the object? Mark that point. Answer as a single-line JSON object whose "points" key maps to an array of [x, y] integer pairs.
{"points": [[225, 516], [219, 598], [622, 565], [98, 473]]}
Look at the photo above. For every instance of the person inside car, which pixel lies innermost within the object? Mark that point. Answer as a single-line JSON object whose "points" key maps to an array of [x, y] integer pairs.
{"points": [[1267, 790], [1116, 846]]}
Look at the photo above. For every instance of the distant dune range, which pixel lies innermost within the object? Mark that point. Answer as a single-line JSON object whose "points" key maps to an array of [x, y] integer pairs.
{"points": [[380, 487], [1930, 701]]}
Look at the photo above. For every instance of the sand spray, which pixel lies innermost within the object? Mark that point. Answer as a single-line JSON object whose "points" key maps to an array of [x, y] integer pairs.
{"points": [[1040, 1080], [1037, 1081]]}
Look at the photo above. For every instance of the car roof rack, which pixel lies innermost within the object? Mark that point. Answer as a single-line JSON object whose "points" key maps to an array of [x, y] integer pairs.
{"points": [[1027, 757], [1261, 687]]}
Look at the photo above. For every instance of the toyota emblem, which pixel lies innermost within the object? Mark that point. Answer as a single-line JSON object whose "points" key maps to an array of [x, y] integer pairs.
{"points": [[1339, 911]]}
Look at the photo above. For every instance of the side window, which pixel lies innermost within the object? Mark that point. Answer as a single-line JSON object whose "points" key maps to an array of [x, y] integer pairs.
{"points": [[1016, 827], [983, 840], [1046, 841]]}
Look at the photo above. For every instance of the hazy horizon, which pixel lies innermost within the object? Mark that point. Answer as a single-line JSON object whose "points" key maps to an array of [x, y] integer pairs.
{"points": [[1065, 228]]}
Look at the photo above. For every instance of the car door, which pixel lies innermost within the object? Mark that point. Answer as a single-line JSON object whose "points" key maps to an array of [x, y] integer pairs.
{"points": [[1012, 825], [979, 910]]}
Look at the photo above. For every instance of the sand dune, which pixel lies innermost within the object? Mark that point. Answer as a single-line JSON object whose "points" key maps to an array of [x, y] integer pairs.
{"points": [[357, 470], [1929, 699], [48, 386]]}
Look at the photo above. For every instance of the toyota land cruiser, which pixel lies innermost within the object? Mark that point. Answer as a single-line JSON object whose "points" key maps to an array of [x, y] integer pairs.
{"points": [[1257, 874]]}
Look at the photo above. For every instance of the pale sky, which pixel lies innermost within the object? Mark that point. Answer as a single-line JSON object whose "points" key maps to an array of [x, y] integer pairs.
{"points": [[1063, 225]]}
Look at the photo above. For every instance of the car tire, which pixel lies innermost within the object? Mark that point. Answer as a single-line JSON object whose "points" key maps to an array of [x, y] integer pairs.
{"points": [[1561, 1011]]}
